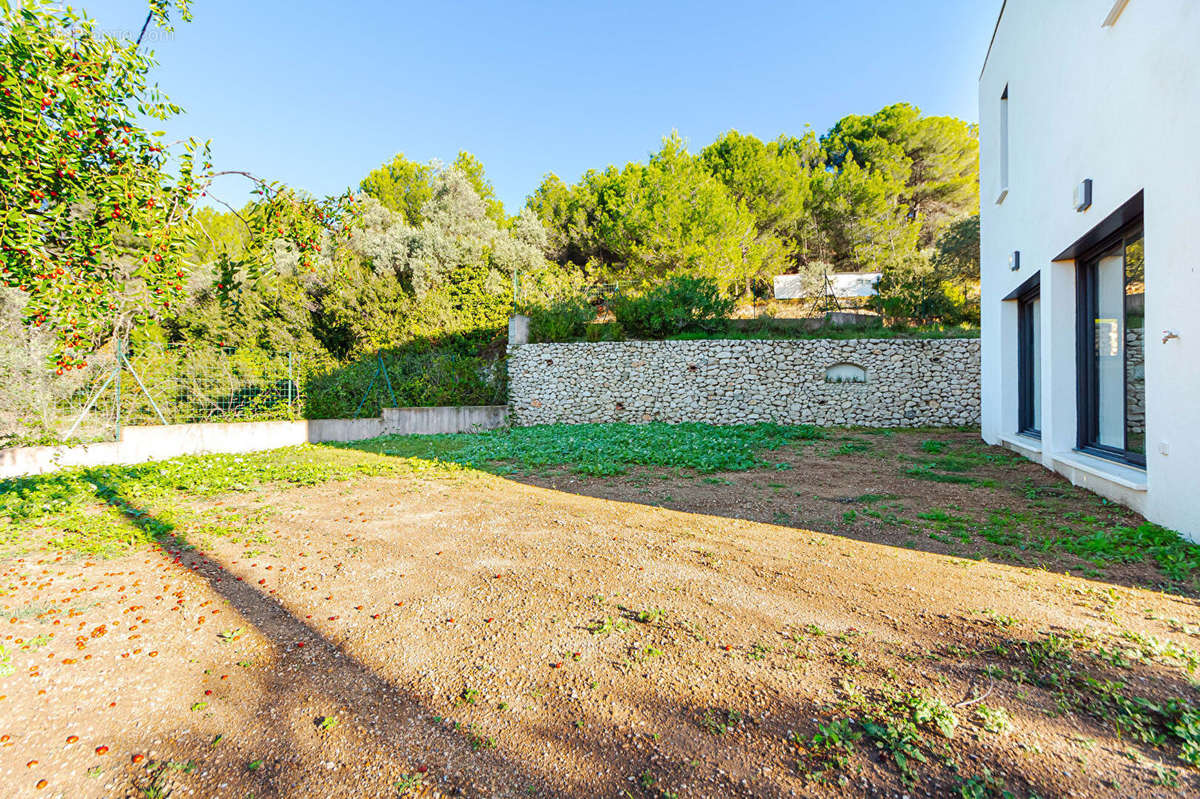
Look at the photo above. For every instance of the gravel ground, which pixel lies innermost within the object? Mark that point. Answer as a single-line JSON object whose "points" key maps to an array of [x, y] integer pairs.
{"points": [[471, 635]]}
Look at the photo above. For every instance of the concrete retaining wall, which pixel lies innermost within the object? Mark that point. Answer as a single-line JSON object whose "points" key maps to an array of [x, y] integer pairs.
{"points": [[159, 442], [871, 382], [460, 419]]}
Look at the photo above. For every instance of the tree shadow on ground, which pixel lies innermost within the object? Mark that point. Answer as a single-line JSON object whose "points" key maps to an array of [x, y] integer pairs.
{"points": [[394, 732], [653, 739], [939, 491]]}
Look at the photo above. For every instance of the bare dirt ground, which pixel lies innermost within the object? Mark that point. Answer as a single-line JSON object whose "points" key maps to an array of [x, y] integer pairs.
{"points": [[467, 634], [1001, 507]]}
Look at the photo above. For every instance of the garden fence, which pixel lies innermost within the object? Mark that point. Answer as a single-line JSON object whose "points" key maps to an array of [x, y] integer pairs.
{"points": [[152, 384]]}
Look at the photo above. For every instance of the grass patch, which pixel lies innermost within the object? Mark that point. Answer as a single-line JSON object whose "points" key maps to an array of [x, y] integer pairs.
{"points": [[105, 510], [601, 449], [1178, 559], [926, 473], [1055, 665]]}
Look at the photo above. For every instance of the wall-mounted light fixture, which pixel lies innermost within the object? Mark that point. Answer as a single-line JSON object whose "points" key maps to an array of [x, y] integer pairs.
{"points": [[1083, 195], [1014, 260]]}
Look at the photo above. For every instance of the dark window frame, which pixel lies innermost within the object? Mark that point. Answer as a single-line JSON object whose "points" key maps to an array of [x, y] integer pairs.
{"points": [[1025, 366], [1087, 374]]}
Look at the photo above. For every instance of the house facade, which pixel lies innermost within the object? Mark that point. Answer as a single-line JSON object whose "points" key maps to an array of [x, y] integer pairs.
{"points": [[1089, 117]]}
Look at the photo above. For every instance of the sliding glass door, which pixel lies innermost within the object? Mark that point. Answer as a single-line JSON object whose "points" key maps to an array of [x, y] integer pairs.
{"points": [[1112, 381]]}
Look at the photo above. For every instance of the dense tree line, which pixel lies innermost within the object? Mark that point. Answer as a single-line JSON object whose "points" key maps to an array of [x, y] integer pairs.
{"points": [[431, 254], [876, 193], [105, 236]]}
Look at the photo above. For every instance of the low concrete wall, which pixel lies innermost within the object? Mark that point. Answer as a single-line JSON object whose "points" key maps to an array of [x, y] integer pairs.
{"points": [[452, 419], [320, 430], [159, 442]]}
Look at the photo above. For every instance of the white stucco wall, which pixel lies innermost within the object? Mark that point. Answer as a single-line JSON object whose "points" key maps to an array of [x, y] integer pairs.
{"points": [[1119, 105], [159, 442]]}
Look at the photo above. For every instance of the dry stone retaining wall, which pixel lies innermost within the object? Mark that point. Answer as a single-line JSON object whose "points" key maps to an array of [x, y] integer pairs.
{"points": [[908, 383]]}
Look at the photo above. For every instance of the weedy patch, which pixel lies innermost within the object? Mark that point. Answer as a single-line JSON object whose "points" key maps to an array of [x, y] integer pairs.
{"points": [[1149, 648], [932, 712], [994, 719], [608, 625], [1003, 622], [601, 449], [1071, 670], [851, 447], [229, 636], [896, 724], [476, 739], [829, 748], [106, 510], [6, 666], [719, 722], [652, 616], [408, 783], [984, 785]]}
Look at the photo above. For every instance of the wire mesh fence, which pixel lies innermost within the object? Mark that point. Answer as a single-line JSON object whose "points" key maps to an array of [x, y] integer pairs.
{"points": [[156, 384], [150, 384]]}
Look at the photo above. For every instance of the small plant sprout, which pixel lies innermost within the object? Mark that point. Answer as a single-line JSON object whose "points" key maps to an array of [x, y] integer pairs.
{"points": [[408, 783], [229, 636], [994, 719]]}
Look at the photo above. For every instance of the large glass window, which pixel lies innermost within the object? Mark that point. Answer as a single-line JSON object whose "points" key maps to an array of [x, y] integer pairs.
{"points": [[1112, 378], [1029, 364]]}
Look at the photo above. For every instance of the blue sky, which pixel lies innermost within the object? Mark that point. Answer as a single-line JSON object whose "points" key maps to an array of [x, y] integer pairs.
{"points": [[318, 93]]}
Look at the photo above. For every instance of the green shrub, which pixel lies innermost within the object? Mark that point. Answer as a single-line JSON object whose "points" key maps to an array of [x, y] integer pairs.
{"points": [[916, 293], [417, 379], [605, 331], [564, 319], [680, 305]]}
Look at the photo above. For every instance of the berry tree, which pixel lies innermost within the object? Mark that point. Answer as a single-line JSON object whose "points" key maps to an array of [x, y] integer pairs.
{"points": [[94, 208]]}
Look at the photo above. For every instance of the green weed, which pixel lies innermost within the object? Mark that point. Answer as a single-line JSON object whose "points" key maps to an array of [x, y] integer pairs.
{"points": [[720, 723], [994, 719], [602, 449]]}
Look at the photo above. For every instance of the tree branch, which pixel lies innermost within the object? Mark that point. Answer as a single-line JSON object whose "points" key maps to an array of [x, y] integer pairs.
{"points": [[145, 25]]}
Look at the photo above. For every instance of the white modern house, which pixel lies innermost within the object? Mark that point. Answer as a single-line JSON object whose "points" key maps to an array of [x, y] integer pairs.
{"points": [[1090, 222]]}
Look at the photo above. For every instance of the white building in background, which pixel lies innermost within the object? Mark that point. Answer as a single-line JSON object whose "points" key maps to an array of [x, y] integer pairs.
{"points": [[1089, 117], [841, 285]]}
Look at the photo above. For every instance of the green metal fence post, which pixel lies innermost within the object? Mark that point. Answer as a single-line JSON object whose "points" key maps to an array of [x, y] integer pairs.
{"points": [[120, 355], [388, 380], [367, 393], [291, 410]]}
